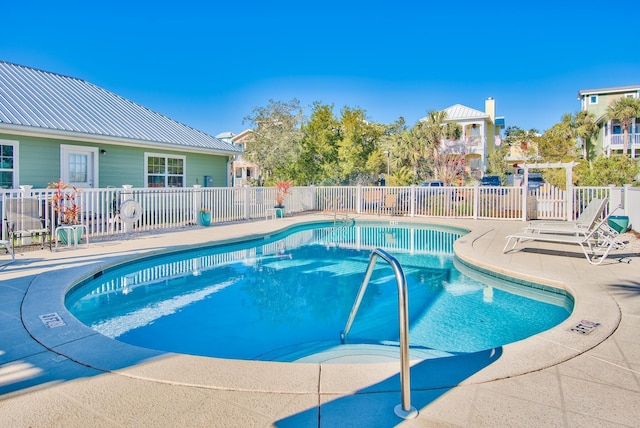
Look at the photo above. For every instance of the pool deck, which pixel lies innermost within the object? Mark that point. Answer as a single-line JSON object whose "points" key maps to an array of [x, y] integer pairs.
{"points": [[69, 376]]}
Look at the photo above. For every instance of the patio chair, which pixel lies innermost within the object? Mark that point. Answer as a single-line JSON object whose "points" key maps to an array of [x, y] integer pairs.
{"points": [[7, 246], [372, 199], [23, 220], [595, 245], [390, 203], [587, 219], [583, 225]]}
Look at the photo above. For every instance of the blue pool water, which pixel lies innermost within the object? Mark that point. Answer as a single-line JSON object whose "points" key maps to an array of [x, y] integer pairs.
{"points": [[288, 296]]}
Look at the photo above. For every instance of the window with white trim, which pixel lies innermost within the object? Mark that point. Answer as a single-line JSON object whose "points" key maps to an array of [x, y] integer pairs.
{"points": [[164, 170], [593, 99], [8, 164]]}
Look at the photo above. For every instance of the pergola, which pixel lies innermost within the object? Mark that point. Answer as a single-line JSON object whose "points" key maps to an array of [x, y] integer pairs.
{"points": [[568, 166]]}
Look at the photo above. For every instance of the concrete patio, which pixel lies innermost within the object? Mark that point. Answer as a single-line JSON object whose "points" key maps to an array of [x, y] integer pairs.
{"points": [[70, 376]]}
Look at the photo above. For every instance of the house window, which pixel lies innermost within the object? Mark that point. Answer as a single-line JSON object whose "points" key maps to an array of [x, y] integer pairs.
{"points": [[164, 170], [632, 95], [8, 164], [593, 99]]}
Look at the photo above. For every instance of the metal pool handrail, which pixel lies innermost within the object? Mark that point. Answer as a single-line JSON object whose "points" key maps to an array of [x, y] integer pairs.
{"points": [[403, 410]]}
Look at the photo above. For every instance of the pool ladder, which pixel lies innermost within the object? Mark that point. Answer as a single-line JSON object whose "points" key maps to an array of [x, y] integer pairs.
{"points": [[404, 410]]}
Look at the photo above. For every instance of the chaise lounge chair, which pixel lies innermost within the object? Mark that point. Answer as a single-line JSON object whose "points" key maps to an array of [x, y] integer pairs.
{"points": [[595, 245], [587, 219], [7, 246], [583, 225]]}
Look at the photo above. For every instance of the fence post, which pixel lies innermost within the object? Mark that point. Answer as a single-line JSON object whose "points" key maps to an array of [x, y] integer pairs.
{"points": [[625, 198], [615, 198], [197, 203], [476, 200], [570, 210], [126, 195], [359, 198], [246, 202], [25, 190], [525, 203], [412, 200]]}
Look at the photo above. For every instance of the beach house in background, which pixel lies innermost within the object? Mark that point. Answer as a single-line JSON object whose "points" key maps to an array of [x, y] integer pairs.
{"points": [[610, 137], [480, 135], [53, 126], [243, 172]]}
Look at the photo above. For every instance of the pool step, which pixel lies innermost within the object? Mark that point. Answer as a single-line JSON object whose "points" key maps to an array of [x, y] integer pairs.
{"points": [[353, 353]]}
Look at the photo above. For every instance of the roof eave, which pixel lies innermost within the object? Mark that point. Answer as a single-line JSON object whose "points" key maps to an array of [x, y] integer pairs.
{"points": [[30, 131]]}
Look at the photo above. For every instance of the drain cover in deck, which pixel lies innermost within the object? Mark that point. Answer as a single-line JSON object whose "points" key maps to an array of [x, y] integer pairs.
{"points": [[585, 327]]}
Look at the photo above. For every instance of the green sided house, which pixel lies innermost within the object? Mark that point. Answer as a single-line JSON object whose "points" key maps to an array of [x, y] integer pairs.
{"points": [[610, 136], [54, 126]]}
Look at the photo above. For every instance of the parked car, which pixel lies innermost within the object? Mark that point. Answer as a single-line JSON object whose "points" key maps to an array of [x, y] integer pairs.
{"points": [[433, 183], [490, 180], [535, 182]]}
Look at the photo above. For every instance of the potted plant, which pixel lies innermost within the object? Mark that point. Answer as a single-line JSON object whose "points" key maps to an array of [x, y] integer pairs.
{"points": [[282, 189], [65, 205], [205, 216]]}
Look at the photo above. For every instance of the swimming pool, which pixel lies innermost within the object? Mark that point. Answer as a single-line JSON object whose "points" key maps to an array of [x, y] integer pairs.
{"points": [[286, 297]]}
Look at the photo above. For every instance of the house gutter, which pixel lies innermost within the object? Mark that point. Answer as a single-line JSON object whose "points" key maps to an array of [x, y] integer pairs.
{"points": [[28, 131]]}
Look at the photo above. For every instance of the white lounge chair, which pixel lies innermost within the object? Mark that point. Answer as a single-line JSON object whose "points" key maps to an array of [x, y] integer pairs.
{"points": [[7, 246], [587, 219], [595, 245], [583, 225]]}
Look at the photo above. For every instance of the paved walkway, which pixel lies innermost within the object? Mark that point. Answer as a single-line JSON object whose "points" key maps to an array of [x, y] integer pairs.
{"points": [[70, 376]]}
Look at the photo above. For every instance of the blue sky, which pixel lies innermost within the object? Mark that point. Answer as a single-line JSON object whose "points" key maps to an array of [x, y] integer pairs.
{"points": [[209, 65]]}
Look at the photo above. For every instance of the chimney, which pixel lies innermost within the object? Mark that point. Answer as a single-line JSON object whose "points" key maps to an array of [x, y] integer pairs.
{"points": [[490, 108]]}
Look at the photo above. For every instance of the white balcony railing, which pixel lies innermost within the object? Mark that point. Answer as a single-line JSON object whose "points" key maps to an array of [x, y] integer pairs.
{"points": [[616, 141]]}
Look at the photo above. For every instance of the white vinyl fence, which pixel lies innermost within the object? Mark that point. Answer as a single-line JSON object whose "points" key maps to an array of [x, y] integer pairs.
{"points": [[114, 211]]}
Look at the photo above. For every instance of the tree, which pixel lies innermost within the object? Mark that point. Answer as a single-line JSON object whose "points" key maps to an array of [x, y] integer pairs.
{"points": [[586, 129], [411, 149], [274, 144], [605, 171], [526, 141], [318, 161], [358, 152], [624, 110], [559, 143], [496, 164]]}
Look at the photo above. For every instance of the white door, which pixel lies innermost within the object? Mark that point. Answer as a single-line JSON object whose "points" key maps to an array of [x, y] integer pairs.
{"points": [[79, 166]]}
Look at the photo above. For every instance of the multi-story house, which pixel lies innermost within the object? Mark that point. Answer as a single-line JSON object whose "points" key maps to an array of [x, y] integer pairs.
{"points": [[480, 135], [243, 172], [610, 137]]}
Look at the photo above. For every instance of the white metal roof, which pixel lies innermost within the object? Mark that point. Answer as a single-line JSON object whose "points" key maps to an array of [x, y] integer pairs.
{"points": [[55, 104], [460, 112]]}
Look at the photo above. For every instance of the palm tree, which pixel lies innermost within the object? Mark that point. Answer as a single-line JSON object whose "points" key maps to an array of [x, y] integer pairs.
{"points": [[586, 129], [624, 110]]}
